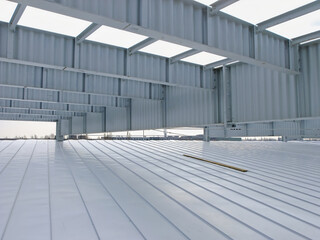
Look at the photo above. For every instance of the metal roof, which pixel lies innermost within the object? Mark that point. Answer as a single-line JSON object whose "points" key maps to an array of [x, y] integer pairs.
{"points": [[148, 190]]}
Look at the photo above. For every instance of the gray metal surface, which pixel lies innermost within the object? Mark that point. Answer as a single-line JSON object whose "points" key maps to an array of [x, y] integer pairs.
{"points": [[309, 84], [293, 129], [148, 190], [122, 89], [165, 20]]}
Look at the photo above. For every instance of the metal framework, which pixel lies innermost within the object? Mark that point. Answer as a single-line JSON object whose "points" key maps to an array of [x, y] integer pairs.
{"points": [[93, 87]]}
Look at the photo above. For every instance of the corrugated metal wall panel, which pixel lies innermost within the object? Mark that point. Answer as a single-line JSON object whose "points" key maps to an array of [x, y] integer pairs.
{"points": [[102, 85], [80, 108], [62, 80], [287, 128], [43, 47], [77, 125], [3, 39], [259, 129], [216, 131], [312, 127], [237, 131], [65, 130], [146, 115], [147, 66], [102, 58], [140, 90], [24, 104], [103, 101], [178, 18], [75, 98], [184, 73], [229, 35], [8, 92], [272, 49], [261, 94], [309, 83], [95, 122], [116, 119], [19, 74], [189, 107]]}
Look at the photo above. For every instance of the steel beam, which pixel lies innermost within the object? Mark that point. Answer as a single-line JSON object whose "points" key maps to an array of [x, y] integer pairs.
{"points": [[38, 112], [183, 55], [31, 117], [16, 16], [36, 105], [307, 37], [220, 4], [141, 45], [217, 64], [150, 31], [60, 89], [87, 32], [103, 74], [311, 7], [18, 93], [41, 111]]}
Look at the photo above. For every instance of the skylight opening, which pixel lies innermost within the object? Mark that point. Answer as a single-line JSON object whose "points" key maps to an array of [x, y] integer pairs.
{"points": [[254, 11], [165, 49], [6, 10], [52, 22], [116, 37], [206, 2], [203, 58], [299, 26]]}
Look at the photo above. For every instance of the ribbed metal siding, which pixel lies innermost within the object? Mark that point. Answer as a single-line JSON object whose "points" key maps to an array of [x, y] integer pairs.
{"points": [[102, 58], [189, 107], [116, 119], [57, 79], [312, 128], [259, 129], [19, 74], [3, 39], [43, 47], [229, 35], [146, 115], [77, 125], [147, 66], [141, 90], [261, 94], [178, 18], [286, 128], [272, 49], [188, 74], [309, 83], [95, 122]]}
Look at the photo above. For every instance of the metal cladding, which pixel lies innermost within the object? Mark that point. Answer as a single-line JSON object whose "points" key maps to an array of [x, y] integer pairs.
{"points": [[79, 190], [125, 89]]}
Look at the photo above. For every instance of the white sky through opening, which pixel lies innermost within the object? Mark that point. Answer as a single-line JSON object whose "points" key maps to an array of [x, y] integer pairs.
{"points": [[116, 37], [307, 24], [256, 11], [6, 10], [203, 58], [164, 49], [52, 22]]}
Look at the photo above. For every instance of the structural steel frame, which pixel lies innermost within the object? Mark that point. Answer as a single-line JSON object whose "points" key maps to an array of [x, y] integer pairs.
{"points": [[143, 90]]}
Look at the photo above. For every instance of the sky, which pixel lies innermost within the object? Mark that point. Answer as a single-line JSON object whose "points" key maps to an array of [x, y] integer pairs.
{"points": [[11, 129], [253, 11]]}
